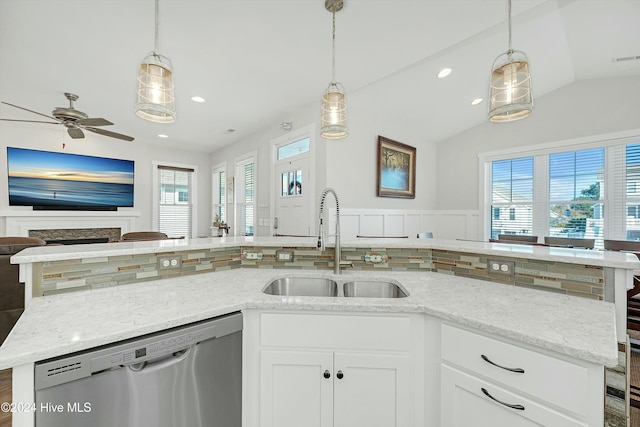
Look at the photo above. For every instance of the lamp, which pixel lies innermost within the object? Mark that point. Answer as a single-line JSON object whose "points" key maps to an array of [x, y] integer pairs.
{"points": [[334, 106], [510, 96], [156, 100]]}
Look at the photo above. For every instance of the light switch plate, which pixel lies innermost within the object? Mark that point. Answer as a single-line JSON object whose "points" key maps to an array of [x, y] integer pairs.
{"points": [[284, 255]]}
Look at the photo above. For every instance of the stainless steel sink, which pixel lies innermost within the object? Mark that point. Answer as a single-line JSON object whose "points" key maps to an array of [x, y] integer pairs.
{"points": [[302, 287], [372, 289]]}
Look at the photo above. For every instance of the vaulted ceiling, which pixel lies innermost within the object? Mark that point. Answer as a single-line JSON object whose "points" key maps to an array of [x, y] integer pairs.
{"points": [[258, 61]]}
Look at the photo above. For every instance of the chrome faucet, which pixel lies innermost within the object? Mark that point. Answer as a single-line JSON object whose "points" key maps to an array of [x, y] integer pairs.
{"points": [[337, 251]]}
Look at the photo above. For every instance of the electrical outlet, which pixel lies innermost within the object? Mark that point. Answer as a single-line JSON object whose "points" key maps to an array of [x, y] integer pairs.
{"points": [[284, 255], [495, 266], [376, 258], [169, 262], [254, 256]]}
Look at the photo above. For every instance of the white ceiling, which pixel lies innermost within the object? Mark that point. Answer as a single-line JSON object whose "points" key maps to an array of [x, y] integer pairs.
{"points": [[259, 61]]}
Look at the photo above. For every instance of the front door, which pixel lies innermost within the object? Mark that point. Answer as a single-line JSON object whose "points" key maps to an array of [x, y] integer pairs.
{"points": [[293, 201]]}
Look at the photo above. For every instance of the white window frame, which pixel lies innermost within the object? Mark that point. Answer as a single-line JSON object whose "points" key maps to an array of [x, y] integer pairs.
{"points": [[239, 162], [614, 186], [215, 191], [156, 193]]}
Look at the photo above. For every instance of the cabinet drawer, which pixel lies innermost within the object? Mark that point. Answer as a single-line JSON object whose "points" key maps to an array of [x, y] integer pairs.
{"points": [[329, 331], [471, 401], [554, 380]]}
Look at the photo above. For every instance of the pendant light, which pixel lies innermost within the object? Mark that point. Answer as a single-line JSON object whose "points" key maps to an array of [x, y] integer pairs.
{"points": [[156, 99], [510, 96], [334, 106]]}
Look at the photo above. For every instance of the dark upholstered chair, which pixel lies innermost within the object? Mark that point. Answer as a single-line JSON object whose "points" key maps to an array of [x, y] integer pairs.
{"points": [[570, 242], [143, 235], [11, 290], [508, 238]]}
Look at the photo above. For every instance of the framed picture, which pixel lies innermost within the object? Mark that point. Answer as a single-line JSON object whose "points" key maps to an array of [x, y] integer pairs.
{"points": [[396, 169]]}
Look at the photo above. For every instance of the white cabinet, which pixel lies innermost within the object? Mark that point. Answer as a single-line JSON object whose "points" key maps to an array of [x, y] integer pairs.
{"points": [[488, 382], [334, 370], [334, 389]]}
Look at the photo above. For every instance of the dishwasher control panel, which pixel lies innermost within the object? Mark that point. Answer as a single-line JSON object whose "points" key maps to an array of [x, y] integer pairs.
{"points": [[131, 352]]}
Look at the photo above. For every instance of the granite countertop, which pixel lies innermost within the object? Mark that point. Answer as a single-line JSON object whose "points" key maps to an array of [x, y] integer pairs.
{"points": [[61, 324], [543, 253]]}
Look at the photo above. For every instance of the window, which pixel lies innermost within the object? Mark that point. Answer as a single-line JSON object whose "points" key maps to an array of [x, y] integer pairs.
{"points": [[175, 201], [245, 197], [592, 192], [219, 194], [632, 178], [512, 189], [576, 205], [294, 148]]}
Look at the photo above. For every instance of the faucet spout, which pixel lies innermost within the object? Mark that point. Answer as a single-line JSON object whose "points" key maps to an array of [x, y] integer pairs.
{"points": [[321, 245]]}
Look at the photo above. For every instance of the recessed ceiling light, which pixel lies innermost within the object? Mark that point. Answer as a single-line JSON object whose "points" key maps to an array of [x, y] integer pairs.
{"points": [[228, 131], [444, 73], [477, 101], [161, 135], [198, 99]]}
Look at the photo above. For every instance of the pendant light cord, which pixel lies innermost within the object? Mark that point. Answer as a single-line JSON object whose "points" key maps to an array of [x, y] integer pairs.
{"points": [[509, 14], [156, 28], [333, 51]]}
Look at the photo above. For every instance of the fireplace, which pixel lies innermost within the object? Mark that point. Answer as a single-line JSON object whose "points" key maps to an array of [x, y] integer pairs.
{"points": [[77, 236], [61, 225]]}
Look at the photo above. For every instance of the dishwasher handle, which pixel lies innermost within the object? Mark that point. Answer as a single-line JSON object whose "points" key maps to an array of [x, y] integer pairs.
{"points": [[162, 362]]}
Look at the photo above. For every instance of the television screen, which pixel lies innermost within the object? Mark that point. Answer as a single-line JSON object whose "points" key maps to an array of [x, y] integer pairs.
{"points": [[50, 180]]}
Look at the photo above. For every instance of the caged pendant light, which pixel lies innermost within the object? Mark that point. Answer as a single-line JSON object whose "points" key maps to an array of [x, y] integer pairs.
{"points": [[334, 106], [510, 96], [156, 99]]}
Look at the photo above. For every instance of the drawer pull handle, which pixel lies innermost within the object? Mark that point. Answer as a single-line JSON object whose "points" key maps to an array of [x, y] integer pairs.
{"points": [[518, 407], [518, 370]]}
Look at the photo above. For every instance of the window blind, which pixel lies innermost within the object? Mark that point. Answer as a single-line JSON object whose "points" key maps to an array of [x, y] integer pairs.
{"points": [[175, 205], [576, 190], [512, 197], [245, 197], [632, 193]]}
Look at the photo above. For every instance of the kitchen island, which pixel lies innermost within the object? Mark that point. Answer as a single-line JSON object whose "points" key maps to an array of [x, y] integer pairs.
{"points": [[566, 326]]}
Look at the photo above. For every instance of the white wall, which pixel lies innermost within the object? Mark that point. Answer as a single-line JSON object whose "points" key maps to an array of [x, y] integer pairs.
{"points": [[347, 165], [51, 138], [582, 109]]}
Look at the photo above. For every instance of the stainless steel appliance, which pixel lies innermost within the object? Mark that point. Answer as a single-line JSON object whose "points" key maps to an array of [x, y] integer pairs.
{"points": [[189, 376]]}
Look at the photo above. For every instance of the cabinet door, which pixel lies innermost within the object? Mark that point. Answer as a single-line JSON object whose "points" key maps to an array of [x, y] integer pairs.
{"points": [[374, 391], [293, 389], [465, 404]]}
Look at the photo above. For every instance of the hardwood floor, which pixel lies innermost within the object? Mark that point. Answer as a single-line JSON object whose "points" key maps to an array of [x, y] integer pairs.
{"points": [[5, 396]]}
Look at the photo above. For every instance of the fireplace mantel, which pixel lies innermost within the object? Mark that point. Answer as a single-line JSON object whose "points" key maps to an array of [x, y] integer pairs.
{"points": [[19, 222]]}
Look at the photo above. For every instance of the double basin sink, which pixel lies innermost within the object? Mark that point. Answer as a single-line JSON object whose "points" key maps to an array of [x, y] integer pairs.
{"points": [[324, 287]]}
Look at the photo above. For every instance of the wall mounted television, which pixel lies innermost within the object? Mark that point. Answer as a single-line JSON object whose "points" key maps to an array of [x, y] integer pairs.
{"points": [[62, 181]]}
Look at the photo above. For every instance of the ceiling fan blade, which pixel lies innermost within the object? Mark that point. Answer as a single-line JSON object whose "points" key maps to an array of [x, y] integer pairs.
{"points": [[25, 109], [93, 122], [111, 134], [75, 133], [29, 121]]}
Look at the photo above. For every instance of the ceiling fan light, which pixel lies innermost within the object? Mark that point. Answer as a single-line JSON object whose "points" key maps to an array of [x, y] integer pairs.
{"points": [[334, 113], [156, 99], [510, 95]]}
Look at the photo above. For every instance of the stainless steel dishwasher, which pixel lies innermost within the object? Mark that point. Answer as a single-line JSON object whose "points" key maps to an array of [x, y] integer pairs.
{"points": [[189, 376]]}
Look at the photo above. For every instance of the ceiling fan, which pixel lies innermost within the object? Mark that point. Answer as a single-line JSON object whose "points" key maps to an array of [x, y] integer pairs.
{"points": [[74, 120]]}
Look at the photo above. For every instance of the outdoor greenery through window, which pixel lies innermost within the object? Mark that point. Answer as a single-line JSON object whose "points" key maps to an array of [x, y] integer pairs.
{"points": [[576, 208]]}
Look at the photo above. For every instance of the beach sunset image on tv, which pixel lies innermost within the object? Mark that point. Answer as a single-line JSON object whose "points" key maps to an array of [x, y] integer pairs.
{"points": [[43, 178]]}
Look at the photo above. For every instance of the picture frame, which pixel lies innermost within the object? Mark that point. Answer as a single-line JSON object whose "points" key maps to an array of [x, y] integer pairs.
{"points": [[396, 175]]}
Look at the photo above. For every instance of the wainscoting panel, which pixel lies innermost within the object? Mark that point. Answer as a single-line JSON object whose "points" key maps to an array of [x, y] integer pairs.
{"points": [[396, 222]]}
